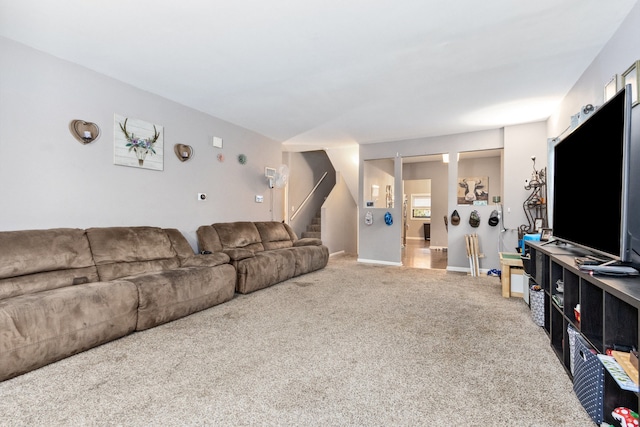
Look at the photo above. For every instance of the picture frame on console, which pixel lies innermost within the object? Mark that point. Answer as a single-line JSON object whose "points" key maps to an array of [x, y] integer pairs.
{"points": [[611, 88], [545, 235], [538, 225]]}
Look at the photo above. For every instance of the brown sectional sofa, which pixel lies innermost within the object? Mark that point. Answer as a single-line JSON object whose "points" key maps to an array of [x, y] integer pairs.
{"points": [[263, 253], [63, 291]]}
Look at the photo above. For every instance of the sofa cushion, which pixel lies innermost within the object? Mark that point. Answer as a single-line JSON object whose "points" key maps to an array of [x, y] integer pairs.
{"points": [[274, 235], [308, 241], [208, 260], [208, 239], [310, 258], [38, 329], [265, 269], [188, 258], [239, 235], [169, 295], [126, 251], [38, 260], [239, 254], [180, 244]]}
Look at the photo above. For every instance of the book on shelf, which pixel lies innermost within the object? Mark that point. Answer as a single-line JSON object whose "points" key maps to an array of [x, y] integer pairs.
{"points": [[624, 381]]}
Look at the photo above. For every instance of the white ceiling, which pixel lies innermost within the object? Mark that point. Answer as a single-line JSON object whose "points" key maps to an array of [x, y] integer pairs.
{"points": [[320, 73]]}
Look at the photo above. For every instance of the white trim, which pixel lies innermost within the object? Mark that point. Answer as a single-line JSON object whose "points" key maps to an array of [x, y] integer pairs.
{"points": [[375, 261], [465, 270], [336, 253]]}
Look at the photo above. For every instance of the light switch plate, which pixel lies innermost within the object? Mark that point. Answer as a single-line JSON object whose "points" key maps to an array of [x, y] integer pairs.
{"points": [[259, 199]]}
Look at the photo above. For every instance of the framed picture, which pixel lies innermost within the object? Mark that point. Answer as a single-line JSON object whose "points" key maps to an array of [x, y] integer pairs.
{"points": [[611, 88], [138, 143], [473, 190], [630, 76], [545, 235], [539, 224]]}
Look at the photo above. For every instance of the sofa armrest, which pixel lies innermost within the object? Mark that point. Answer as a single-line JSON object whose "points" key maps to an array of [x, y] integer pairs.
{"points": [[238, 254], [308, 241], [208, 260]]}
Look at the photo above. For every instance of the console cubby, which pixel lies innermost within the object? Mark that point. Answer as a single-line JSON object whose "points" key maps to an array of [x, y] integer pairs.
{"points": [[618, 312], [547, 313], [591, 320], [571, 297], [609, 312], [557, 333]]}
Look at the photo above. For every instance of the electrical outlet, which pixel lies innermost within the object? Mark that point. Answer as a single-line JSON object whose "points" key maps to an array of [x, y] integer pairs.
{"points": [[202, 197], [259, 199]]}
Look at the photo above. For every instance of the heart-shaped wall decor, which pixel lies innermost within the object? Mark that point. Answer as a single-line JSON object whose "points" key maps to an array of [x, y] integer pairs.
{"points": [[84, 132], [183, 151]]}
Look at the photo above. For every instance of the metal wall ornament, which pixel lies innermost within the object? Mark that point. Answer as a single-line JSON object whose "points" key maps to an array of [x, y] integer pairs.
{"points": [[84, 132]]}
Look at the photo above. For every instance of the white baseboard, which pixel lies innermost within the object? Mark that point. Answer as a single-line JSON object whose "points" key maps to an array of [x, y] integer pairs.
{"points": [[483, 271], [374, 261], [336, 253]]}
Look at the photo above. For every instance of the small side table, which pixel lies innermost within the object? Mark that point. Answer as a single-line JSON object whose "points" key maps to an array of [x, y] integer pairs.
{"points": [[508, 260]]}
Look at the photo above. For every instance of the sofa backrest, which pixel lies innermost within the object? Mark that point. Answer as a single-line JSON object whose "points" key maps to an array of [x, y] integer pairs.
{"points": [[274, 235], [39, 260], [208, 239], [239, 235], [127, 251], [180, 244]]}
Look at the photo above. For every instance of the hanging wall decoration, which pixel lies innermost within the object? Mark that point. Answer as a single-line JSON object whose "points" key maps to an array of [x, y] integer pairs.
{"points": [[138, 143], [473, 190], [84, 132], [183, 152]]}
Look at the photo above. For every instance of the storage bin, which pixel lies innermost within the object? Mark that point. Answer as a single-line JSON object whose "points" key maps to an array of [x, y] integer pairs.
{"points": [[571, 331], [536, 302], [588, 379]]}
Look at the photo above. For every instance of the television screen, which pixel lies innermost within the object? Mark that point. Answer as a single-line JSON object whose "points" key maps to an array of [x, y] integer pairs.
{"points": [[590, 181]]}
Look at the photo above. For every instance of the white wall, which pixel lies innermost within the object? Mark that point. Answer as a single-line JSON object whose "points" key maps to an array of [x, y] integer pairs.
{"points": [[618, 54], [345, 161], [519, 143], [51, 180], [339, 219]]}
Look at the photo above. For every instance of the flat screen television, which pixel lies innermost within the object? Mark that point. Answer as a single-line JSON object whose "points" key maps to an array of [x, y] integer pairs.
{"points": [[591, 182]]}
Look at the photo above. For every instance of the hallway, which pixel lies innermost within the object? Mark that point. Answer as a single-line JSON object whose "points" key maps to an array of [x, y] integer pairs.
{"points": [[417, 254]]}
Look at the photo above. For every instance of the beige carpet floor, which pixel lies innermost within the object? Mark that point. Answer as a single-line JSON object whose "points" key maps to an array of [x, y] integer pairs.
{"points": [[351, 345]]}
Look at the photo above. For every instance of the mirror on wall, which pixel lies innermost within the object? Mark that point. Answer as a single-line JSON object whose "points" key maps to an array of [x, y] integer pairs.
{"points": [[479, 177], [378, 183]]}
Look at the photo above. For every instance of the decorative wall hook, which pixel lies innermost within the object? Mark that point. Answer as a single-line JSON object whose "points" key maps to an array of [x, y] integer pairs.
{"points": [[84, 132], [184, 152]]}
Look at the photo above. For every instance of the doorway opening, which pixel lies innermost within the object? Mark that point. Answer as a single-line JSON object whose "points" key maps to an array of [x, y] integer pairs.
{"points": [[424, 232]]}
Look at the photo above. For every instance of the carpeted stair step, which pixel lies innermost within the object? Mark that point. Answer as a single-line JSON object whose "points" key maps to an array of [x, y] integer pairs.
{"points": [[314, 227]]}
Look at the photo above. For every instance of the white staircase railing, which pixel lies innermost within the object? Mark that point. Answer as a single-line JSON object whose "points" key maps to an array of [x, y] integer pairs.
{"points": [[306, 199]]}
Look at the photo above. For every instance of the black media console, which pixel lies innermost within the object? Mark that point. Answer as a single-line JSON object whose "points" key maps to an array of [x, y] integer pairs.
{"points": [[609, 310]]}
